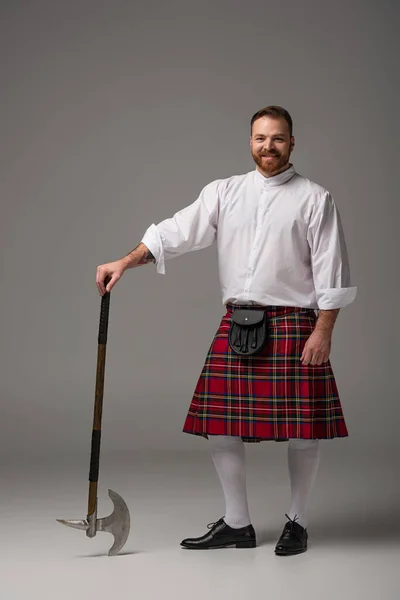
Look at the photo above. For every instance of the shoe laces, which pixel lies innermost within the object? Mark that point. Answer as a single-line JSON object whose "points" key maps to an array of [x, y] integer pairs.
{"points": [[290, 526], [210, 525], [291, 522]]}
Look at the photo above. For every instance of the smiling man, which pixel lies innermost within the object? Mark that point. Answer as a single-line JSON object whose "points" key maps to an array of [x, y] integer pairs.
{"points": [[284, 275], [271, 144]]}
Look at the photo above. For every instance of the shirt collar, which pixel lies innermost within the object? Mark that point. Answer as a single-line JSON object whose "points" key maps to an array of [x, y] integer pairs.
{"points": [[275, 179]]}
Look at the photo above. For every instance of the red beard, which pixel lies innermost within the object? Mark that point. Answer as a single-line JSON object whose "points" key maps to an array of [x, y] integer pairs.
{"points": [[270, 166]]}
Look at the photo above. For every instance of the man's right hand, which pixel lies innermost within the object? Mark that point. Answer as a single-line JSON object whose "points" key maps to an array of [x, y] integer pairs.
{"points": [[140, 255], [115, 270]]}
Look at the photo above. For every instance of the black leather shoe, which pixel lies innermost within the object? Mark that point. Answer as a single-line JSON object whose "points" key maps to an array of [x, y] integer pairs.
{"points": [[222, 536], [293, 539]]}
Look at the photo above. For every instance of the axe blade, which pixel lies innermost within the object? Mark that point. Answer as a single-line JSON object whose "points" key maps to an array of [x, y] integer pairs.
{"points": [[117, 523]]}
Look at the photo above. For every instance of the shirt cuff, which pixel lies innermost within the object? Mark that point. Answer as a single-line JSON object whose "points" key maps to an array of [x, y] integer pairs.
{"points": [[331, 298], [153, 241]]}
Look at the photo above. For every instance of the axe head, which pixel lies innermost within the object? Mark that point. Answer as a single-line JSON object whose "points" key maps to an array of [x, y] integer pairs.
{"points": [[117, 523]]}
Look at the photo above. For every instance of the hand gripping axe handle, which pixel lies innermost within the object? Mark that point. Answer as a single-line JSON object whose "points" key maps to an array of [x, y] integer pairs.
{"points": [[118, 522]]}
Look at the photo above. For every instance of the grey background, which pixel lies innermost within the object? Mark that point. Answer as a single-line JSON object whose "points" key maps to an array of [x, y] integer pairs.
{"points": [[114, 115]]}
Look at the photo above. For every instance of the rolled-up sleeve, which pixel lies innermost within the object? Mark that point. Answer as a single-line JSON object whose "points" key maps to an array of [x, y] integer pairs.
{"points": [[191, 228], [329, 258]]}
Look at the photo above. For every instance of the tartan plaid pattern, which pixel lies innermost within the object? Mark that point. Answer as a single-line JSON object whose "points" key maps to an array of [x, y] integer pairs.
{"points": [[271, 396]]}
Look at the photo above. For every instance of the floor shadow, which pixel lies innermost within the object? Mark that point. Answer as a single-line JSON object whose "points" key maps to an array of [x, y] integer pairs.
{"points": [[99, 554]]}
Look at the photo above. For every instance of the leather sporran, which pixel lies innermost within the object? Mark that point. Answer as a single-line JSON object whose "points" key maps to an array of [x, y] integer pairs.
{"points": [[248, 332]]}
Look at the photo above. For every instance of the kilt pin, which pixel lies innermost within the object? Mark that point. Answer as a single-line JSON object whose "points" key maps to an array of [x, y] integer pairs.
{"points": [[270, 396]]}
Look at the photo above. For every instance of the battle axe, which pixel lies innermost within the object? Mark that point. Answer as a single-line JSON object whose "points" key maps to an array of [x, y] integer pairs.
{"points": [[118, 522]]}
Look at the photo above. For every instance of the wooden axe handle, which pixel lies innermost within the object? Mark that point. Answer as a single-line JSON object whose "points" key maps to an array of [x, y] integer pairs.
{"points": [[98, 400]]}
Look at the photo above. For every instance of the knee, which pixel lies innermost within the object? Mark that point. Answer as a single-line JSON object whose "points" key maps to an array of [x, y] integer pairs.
{"points": [[224, 442], [302, 444]]}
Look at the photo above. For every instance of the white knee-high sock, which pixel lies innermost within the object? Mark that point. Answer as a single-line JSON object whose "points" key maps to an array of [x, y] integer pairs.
{"points": [[228, 454], [303, 462]]}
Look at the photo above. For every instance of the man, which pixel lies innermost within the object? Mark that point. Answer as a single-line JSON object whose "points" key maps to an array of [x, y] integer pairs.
{"points": [[281, 249]]}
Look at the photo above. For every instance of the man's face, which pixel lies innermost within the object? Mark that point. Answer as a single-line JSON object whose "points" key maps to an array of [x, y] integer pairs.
{"points": [[271, 145]]}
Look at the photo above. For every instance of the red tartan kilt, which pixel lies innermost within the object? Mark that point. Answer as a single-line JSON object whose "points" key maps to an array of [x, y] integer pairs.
{"points": [[271, 396]]}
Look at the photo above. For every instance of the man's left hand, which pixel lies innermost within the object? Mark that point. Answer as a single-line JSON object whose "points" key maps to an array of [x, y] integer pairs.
{"points": [[317, 348]]}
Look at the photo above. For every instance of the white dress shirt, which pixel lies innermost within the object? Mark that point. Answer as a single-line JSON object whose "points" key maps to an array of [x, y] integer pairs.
{"points": [[280, 240]]}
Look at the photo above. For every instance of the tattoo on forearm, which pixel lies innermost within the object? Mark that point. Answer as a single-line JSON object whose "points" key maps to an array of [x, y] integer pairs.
{"points": [[144, 260], [148, 257]]}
